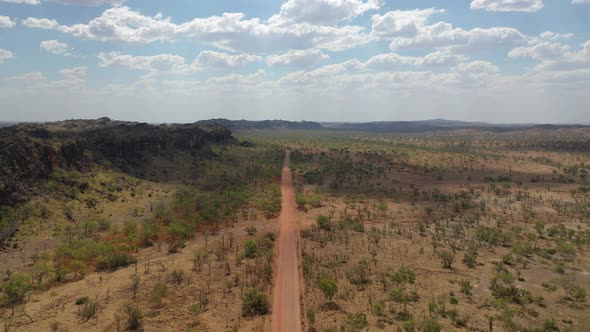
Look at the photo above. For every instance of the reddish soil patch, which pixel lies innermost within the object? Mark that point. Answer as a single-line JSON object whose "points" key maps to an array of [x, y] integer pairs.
{"points": [[286, 314]]}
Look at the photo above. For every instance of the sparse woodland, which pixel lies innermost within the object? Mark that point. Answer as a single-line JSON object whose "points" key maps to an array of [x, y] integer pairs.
{"points": [[466, 231], [418, 233]]}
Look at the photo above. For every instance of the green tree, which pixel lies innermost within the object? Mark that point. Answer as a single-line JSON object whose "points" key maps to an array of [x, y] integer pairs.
{"points": [[255, 303], [15, 289]]}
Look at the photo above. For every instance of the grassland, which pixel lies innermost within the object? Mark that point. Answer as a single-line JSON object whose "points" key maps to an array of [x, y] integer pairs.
{"points": [[462, 230]]}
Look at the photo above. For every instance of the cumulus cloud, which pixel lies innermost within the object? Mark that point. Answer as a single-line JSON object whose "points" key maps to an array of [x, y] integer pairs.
{"points": [[40, 23], [407, 29], [168, 63], [322, 12], [175, 64], [508, 5], [210, 59], [297, 58], [554, 56], [73, 81], [55, 47], [6, 22], [580, 1], [28, 2], [390, 61], [229, 31], [402, 23], [550, 35], [5, 55], [69, 2]]}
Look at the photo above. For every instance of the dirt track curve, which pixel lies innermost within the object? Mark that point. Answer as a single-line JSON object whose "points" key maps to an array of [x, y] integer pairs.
{"points": [[286, 315]]}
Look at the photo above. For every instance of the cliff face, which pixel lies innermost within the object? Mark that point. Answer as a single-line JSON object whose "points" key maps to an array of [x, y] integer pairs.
{"points": [[29, 153]]}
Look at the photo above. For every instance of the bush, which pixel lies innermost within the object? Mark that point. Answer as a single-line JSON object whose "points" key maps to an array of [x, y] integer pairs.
{"points": [[250, 230], [329, 287], [250, 249], [15, 289], [177, 276], [323, 222], [82, 300], [158, 293], [447, 258], [255, 303], [470, 258], [358, 320], [134, 315], [114, 260], [431, 325], [88, 310], [404, 275]]}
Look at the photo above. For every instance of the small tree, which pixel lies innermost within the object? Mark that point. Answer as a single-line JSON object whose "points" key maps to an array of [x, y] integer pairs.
{"points": [[470, 258], [324, 222], [255, 303], [251, 230], [158, 294], [199, 257], [78, 267], [329, 287], [134, 315], [447, 258], [250, 249], [135, 283], [15, 289]]}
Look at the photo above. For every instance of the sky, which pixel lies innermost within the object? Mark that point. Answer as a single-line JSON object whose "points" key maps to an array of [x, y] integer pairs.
{"points": [[502, 61]]}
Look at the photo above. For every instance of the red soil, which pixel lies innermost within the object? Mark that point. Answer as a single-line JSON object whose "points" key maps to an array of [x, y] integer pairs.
{"points": [[286, 312]]}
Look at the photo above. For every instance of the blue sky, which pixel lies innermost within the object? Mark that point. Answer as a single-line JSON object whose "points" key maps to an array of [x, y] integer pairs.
{"points": [[325, 60]]}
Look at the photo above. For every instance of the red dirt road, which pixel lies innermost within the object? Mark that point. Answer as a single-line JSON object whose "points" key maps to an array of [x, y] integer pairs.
{"points": [[286, 312]]}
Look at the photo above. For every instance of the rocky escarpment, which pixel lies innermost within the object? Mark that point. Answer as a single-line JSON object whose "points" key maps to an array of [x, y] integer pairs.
{"points": [[30, 153]]}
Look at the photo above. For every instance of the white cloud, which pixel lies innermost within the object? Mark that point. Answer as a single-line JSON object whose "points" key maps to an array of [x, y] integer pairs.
{"points": [[210, 59], [175, 64], [28, 2], [393, 60], [297, 58], [87, 2], [550, 35], [5, 55], [6, 22], [322, 12], [74, 80], [382, 63], [55, 47], [508, 5], [78, 73], [408, 29], [40, 23], [229, 31], [69, 2], [554, 56], [402, 23], [167, 63], [580, 1]]}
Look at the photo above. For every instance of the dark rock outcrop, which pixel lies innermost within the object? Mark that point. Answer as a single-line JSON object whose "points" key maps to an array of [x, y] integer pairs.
{"points": [[29, 153]]}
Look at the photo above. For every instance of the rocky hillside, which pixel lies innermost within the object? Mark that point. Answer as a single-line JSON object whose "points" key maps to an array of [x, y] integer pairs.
{"points": [[30, 152]]}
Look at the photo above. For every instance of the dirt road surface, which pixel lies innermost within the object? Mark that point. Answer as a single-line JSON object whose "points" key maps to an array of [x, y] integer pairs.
{"points": [[286, 315]]}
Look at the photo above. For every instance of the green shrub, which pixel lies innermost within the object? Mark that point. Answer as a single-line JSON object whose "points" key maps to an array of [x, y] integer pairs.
{"points": [[329, 287], [250, 249], [255, 303], [88, 310], [134, 315]]}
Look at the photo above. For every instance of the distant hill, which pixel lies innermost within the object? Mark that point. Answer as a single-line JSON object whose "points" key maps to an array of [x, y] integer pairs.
{"points": [[7, 123], [261, 125], [30, 152], [383, 126]]}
